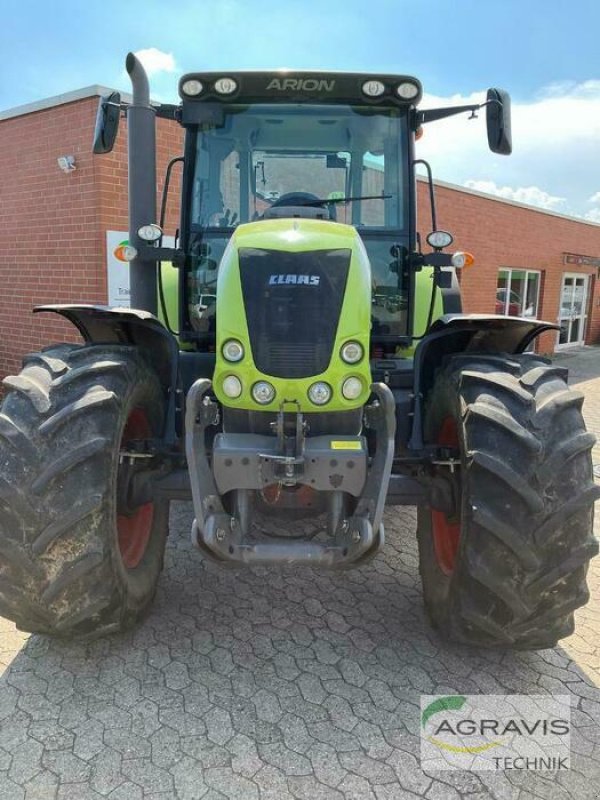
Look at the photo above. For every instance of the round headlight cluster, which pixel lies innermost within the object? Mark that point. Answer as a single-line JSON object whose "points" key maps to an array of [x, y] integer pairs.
{"points": [[192, 88], [233, 350], [352, 388], [352, 352], [232, 386], [263, 392], [319, 393]]}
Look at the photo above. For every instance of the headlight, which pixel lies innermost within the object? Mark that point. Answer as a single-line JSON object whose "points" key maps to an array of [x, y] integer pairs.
{"points": [[439, 239], [233, 350], [320, 393], [192, 88], [232, 386], [263, 392], [150, 232], [352, 388], [352, 352]]}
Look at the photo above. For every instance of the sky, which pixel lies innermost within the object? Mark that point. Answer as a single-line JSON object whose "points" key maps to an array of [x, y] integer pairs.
{"points": [[546, 53]]}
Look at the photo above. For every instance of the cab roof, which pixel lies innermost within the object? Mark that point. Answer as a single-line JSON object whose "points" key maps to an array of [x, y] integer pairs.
{"points": [[301, 86]]}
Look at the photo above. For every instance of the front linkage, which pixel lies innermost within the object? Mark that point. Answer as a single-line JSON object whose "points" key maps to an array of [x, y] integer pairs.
{"points": [[255, 460]]}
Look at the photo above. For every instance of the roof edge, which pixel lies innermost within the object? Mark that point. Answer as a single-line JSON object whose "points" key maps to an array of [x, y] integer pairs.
{"points": [[58, 100], [497, 199]]}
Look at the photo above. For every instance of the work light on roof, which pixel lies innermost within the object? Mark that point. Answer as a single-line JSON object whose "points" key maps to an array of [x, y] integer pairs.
{"points": [[407, 90], [373, 88], [192, 87], [225, 86]]}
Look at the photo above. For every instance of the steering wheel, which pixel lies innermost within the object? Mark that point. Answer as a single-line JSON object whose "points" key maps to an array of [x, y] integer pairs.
{"points": [[303, 199]]}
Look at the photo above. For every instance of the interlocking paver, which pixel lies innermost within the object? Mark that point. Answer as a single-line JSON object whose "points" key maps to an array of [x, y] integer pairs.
{"points": [[280, 684]]}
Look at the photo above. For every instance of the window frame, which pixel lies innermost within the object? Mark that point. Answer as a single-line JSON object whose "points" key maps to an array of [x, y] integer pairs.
{"points": [[509, 288]]}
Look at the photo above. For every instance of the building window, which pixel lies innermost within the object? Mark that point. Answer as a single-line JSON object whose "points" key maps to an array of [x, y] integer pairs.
{"points": [[518, 292]]}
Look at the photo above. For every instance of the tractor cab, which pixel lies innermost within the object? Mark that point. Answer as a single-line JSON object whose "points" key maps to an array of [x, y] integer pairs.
{"points": [[327, 147]]}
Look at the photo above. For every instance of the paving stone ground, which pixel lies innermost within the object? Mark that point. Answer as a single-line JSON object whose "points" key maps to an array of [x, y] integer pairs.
{"points": [[279, 685]]}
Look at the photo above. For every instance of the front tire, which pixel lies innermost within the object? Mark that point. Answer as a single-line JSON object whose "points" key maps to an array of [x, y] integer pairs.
{"points": [[509, 568], [73, 561]]}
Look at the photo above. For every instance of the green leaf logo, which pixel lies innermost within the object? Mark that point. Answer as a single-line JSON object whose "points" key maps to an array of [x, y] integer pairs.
{"points": [[451, 703]]}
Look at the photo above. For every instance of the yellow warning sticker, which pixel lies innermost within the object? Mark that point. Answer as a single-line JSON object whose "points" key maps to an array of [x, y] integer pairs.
{"points": [[351, 445]]}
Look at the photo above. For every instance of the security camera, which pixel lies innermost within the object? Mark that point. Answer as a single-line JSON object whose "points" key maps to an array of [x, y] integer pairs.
{"points": [[67, 163]]}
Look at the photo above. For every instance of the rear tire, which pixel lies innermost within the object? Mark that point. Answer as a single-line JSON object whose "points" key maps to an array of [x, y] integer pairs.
{"points": [[70, 563], [510, 569]]}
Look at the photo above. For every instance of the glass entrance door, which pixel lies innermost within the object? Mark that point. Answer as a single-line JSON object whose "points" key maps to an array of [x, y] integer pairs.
{"points": [[573, 310]]}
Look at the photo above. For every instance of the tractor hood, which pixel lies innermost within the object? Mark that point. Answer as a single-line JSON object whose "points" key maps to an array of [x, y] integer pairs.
{"points": [[293, 292]]}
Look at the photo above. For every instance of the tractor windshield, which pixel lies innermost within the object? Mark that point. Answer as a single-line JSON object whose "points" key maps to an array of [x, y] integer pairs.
{"points": [[354, 158], [264, 152]]}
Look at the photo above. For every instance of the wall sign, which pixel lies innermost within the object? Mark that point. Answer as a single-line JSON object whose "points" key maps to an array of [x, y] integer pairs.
{"points": [[581, 261], [117, 269]]}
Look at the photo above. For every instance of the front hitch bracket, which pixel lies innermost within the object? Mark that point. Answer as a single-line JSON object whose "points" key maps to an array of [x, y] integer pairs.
{"points": [[220, 536]]}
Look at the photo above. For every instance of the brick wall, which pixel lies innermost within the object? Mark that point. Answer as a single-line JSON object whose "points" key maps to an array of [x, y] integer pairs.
{"points": [[49, 240], [53, 225], [501, 235], [53, 228]]}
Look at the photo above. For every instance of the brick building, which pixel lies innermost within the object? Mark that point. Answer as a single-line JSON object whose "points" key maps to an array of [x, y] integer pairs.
{"points": [[53, 226]]}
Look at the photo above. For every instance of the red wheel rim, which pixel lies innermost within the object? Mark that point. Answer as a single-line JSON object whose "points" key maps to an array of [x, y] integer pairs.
{"points": [[134, 530], [446, 530]]}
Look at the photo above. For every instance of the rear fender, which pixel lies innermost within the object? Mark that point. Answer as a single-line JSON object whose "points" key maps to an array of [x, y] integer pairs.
{"points": [[133, 328], [466, 333]]}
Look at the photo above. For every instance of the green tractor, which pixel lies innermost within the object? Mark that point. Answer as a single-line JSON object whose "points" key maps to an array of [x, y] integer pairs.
{"points": [[295, 356]]}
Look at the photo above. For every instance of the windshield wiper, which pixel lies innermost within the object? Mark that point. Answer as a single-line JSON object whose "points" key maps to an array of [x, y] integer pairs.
{"points": [[326, 200]]}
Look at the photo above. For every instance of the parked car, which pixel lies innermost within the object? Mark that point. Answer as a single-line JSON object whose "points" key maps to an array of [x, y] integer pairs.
{"points": [[514, 303]]}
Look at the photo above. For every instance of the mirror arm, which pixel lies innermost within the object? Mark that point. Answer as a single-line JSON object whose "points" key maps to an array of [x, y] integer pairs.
{"points": [[167, 111], [433, 114]]}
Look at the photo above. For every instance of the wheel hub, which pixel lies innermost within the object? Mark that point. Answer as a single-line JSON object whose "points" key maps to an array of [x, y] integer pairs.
{"points": [[133, 528], [446, 528]]}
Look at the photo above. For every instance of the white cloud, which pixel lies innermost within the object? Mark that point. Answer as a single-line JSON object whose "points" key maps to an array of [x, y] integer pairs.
{"points": [[593, 215], [531, 195], [555, 147], [155, 61]]}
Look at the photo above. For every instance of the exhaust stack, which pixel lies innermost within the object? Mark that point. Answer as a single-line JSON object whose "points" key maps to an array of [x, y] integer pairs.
{"points": [[141, 144]]}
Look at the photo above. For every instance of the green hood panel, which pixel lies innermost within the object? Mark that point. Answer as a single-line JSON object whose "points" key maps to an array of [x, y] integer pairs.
{"points": [[294, 236]]}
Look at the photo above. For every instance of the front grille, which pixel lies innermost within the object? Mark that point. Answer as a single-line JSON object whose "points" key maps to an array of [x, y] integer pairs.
{"points": [[293, 360], [293, 303]]}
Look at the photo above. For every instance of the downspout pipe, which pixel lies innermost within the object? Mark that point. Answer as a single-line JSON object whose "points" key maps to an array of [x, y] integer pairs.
{"points": [[141, 144]]}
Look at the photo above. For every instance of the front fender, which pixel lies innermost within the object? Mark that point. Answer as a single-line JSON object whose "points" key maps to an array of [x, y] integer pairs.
{"points": [[466, 333], [131, 327]]}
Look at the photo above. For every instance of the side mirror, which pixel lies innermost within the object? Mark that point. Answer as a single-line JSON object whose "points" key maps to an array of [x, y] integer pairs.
{"points": [[498, 121], [107, 123]]}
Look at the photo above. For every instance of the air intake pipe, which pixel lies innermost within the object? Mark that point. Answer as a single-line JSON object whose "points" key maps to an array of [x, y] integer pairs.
{"points": [[141, 143]]}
